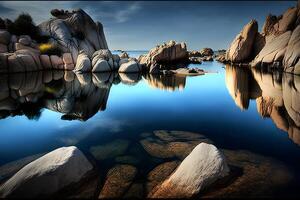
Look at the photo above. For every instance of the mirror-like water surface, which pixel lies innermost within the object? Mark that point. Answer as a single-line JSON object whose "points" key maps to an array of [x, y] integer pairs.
{"points": [[236, 108]]}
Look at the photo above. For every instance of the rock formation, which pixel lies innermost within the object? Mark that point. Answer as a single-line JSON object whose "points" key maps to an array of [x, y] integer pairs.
{"points": [[202, 167], [74, 42], [48, 174], [241, 48], [197, 57], [163, 55], [277, 46]]}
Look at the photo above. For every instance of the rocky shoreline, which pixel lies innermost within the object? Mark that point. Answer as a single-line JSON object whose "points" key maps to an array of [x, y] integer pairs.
{"points": [[73, 41], [277, 46]]}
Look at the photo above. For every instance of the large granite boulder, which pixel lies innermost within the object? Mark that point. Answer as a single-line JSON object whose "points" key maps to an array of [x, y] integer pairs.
{"points": [[202, 167], [241, 48], [166, 54], [274, 50], [130, 67], [292, 54], [104, 61], [74, 31], [48, 175], [206, 52], [83, 63]]}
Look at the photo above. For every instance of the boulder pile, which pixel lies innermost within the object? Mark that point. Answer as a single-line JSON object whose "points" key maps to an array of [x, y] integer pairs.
{"points": [[162, 55], [76, 41], [277, 46]]}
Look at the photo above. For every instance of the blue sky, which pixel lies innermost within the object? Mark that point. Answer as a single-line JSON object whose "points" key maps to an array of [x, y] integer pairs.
{"points": [[140, 25]]}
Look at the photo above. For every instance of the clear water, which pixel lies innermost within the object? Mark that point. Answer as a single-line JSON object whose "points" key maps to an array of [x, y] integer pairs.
{"points": [[221, 105]]}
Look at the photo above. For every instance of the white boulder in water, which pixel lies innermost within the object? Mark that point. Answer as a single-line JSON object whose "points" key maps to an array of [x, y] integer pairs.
{"points": [[48, 174], [202, 167]]}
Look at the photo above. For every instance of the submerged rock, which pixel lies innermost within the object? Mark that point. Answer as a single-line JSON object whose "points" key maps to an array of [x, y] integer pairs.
{"points": [[160, 173], [110, 150], [118, 180], [254, 176], [179, 147], [48, 175], [201, 168]]}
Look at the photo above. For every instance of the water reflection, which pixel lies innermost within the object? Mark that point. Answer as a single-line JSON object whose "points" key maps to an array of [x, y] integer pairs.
{"points": [[277, 96], [166, 82], [76, 96]]}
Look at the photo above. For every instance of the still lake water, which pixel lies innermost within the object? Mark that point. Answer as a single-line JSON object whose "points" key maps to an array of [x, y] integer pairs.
{"points": [[238, 109]]}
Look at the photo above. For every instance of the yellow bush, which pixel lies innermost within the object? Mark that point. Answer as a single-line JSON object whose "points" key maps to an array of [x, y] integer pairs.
{"points": [[50, 49]]}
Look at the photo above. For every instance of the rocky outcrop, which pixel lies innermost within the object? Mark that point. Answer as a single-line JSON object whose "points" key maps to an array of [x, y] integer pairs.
{"points": [[291, 60], [165, 54], [274, 50], [74, 31], [241, 48], [58, 169], [277, 46], [202, 167], [74, 42], [206, 52]]}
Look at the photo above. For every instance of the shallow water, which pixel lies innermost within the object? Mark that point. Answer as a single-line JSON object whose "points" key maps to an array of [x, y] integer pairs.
{"points": [[237, 109]]}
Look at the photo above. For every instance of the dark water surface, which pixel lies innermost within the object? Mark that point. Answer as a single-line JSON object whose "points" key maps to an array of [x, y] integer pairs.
{"points": [[238, 109]]}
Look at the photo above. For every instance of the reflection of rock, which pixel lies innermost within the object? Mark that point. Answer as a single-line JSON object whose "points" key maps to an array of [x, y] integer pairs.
{"points": [[130, 78], [117, 181], [77, 96], [110, 150], [160, 173], [277, 96], [201, 168], [255, 179], [179, 147], [291, 98], [241, 86], [48, 174], [166, 82], [279, 101]]}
